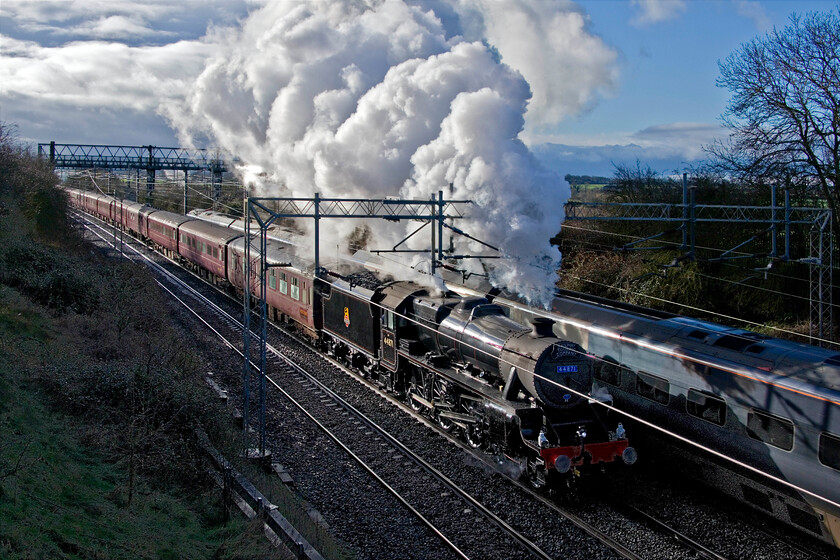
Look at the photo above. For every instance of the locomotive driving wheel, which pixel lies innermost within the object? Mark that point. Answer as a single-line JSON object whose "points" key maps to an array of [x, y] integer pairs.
{"points": [[443, 396], [417, 386], [473, 432], [474, 435]]}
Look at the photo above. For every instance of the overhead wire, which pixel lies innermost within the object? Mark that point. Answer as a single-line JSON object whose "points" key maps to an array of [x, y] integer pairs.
{"points": [[744, 284], [708, 312], [677, 245], [716, 278], [641, 294]]}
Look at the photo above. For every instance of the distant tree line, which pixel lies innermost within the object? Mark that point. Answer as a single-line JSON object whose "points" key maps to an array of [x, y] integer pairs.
{"points": [[575, 180]]}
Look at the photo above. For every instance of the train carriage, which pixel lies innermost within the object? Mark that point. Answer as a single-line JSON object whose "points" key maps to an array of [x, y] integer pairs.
{"points": [[162, 229], [205, 245], [214, 217], [289, 291], [74, 198], [130, 213], [97, 204], [106, 207], [768, 403]]}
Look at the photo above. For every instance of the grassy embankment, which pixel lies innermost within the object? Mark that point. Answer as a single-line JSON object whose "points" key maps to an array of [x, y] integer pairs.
{"points": [[98, 457]]}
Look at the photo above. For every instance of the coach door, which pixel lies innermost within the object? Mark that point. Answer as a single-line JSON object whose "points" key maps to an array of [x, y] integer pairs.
{"points": [[389, 341]]}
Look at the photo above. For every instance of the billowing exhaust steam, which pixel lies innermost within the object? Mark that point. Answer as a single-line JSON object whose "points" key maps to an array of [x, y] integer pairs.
{"points": [[372, 99]]}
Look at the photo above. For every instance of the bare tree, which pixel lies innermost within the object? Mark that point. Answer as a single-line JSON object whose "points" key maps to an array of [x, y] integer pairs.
{"points": [[784, 114], [642, 184]]}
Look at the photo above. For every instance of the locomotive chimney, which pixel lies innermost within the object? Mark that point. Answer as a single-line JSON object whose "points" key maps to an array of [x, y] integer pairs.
{"points": [[541, 327]]}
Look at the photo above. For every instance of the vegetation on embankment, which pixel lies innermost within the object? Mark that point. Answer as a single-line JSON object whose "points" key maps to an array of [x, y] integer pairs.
{"points": [[99, 399], [754, 290]]}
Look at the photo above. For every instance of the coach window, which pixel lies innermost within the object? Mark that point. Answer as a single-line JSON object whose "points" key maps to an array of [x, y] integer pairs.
{"points": [[272, 280], [653, 388], [770, 429], [295, 291], [608, 372], [830, 450], [706, 406], [304, 293]]}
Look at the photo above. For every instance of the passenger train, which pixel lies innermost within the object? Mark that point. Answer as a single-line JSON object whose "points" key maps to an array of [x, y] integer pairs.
{"points": [[512, 388], [763, 413]]}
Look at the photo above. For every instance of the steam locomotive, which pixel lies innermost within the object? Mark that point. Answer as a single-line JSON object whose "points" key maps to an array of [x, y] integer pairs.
{"points": [[515, 390]]}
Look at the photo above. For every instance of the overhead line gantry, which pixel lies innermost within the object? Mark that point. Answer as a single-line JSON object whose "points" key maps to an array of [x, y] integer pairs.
{"points": [[139, 158]]}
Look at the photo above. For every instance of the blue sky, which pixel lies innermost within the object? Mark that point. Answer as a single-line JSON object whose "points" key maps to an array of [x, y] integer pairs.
{"points": [[667, 92], [654, 99]]}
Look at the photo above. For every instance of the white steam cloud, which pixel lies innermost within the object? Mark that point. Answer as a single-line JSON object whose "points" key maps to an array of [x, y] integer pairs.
{"points": [[397, 98]]}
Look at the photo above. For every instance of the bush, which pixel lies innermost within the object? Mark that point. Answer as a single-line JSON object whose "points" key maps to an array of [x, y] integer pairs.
{"points": [[47, 276]]}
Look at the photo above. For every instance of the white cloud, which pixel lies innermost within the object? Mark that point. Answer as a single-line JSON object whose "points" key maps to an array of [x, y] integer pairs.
{"points": [[755, 12], [100, 74], [665, 147], [655, 11], [682, 139], [341, 97], [567, 67], [115, 27], [129, 21], [679, 139]]}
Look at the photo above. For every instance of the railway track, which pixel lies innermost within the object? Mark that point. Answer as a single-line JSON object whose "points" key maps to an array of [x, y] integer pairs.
{"points": [[430, 501], [402, 472]]}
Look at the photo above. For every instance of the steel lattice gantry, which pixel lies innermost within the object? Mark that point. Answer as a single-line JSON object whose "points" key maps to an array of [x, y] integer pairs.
{"points": [[778, 220], [148, 158], [432, 212]]}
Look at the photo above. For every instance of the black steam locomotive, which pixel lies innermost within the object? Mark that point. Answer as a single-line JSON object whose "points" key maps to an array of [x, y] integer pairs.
{"points": [[517, 391]]}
